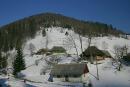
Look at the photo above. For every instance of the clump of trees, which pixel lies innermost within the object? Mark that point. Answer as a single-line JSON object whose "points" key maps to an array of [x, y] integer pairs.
{"points": [[26, 28]]}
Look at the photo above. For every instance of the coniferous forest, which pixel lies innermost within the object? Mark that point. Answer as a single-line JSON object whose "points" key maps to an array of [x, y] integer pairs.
{"points": [[18, 32]]}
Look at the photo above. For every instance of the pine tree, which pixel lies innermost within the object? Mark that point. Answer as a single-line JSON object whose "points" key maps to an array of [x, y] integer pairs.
{"points": [[19, 63]]}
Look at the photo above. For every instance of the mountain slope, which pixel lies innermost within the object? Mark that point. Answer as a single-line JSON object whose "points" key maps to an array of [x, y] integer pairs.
{"points": [[18, 32], [108, 76], [57, 38], [36, 64]]}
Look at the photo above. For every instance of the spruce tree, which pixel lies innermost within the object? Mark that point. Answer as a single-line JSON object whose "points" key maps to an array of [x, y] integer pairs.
{"points": [[19, 63]]}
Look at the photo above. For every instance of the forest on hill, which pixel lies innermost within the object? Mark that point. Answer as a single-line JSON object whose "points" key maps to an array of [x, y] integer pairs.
{"points": [[16, 33]]}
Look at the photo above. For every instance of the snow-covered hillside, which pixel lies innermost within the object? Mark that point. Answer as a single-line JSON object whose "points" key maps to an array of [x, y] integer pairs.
{"points": [[56, 37], [36, 64]]}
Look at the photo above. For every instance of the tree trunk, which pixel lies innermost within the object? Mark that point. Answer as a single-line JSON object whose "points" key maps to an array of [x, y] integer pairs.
{"points": [[46, 41], [97, 69], [75, 45], [119, 68], [91, 56], [80, 38]]}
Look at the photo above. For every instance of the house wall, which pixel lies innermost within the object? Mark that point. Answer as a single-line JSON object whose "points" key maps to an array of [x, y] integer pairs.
{"points": [[99, 58], [85, 78], [71, 79], [82, 78]]}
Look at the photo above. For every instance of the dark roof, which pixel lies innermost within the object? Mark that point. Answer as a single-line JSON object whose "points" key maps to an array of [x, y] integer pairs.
{"points": [[94, 51], [76, 69], [106, 53]]}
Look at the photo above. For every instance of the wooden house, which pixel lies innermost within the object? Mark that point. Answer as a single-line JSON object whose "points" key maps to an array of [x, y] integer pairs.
{"points": [[95, 53], [74, 72]]}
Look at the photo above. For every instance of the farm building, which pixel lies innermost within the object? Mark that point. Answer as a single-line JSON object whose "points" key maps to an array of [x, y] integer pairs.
{"points": [[74, 72], [95, 53]]}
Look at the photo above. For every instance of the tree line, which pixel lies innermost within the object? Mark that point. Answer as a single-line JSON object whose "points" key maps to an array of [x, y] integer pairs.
{"points": [[24, 29]]}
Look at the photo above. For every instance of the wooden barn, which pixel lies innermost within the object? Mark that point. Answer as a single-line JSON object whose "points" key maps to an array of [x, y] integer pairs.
{"points": [[76, 72], [95, 53]]}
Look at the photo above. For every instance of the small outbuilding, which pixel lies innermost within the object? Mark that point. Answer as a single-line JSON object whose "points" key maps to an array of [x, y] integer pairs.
{"points": [[74, 72]]}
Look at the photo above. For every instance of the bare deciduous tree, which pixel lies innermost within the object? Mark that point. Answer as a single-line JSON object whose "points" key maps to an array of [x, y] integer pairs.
{"points": [[89, 44], [90, 37], [69, 42], [104, 45], [47, 41], [119, 52], [80, 39], [31, 48]]}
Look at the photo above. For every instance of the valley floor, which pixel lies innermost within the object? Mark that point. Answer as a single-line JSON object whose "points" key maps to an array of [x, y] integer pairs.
{"points": [[108, 77]]}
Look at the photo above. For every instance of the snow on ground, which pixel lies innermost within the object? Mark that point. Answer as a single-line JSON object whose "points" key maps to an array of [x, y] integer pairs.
{"points": [[108, 76], [108, 43], [30, 60], [58, 38], [55, 38], [57, 84]]}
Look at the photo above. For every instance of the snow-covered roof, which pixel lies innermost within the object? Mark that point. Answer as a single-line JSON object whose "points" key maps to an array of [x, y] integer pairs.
{"points": [[72, 69]]}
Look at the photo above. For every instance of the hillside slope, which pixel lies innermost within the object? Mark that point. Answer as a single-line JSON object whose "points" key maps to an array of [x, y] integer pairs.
{"points": [[17, 33], [57, 38]]}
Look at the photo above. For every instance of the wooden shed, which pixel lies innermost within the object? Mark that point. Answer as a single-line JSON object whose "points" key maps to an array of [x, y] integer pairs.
{"points": [[75, 72]]}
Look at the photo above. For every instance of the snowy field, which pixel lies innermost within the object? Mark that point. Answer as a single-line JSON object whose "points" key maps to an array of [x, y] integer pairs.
{"points": [[108, 77], [36, 64]]}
